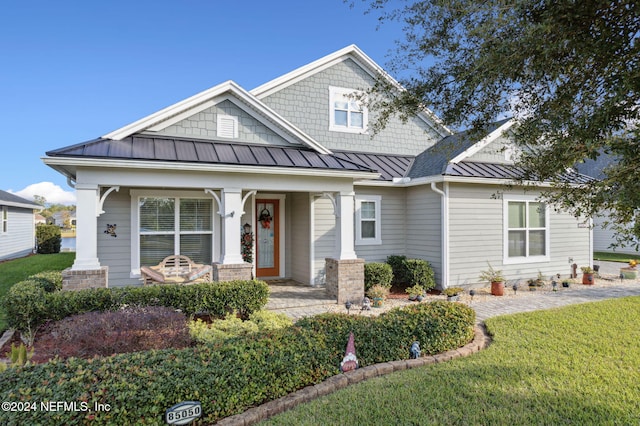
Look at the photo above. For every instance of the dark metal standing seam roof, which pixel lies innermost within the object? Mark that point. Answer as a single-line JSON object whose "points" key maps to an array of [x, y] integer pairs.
{"points": [[152, 148], [388, 165], [472, 169]]}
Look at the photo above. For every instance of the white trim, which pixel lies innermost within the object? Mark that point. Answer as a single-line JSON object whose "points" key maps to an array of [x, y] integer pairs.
{"points": [[312, 246], [444, 230], [483, 142], [506, 259], [334, 92], [4, 219], [221, 168], [377, 200]]}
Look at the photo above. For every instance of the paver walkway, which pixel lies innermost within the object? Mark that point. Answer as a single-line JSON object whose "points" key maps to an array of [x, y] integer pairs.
{"points": [[299, 301]]}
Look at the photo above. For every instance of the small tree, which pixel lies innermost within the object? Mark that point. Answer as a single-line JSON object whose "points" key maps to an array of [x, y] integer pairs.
{"points": [[49, 239]]}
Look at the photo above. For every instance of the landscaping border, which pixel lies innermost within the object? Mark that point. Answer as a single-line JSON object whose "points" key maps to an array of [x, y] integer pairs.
{"points": [[480, 341]]}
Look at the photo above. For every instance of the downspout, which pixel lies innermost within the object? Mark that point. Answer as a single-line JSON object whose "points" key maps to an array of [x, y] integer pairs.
{"points": [[444, 230]]}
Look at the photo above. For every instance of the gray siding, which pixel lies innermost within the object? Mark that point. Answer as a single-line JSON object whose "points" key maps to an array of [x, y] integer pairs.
{"points": [[493, 153], [424, 227], [306, 105], [19, 240], [476, 237], [604, 237], [115, 252], [393, 224], [324, 237], [298, 252], [203, 125]]}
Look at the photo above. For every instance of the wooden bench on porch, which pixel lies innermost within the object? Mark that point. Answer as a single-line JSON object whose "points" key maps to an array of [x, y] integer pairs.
{"points": [[175, 269]]}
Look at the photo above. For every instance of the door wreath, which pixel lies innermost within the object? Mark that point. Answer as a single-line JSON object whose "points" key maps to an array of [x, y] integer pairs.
{"points": [[265, 218]]}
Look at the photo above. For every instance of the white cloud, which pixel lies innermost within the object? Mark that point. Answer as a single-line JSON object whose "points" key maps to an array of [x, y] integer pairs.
{"points": [[50, 191]]}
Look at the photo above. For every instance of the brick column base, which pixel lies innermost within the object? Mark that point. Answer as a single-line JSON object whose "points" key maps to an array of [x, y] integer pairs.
{"points": [[81, 279], [345, 279], [232, 272]]}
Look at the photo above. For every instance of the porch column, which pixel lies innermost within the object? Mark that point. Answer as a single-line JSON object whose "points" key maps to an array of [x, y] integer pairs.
{"points": [[86, 227], [344, 226], [231, 226]]}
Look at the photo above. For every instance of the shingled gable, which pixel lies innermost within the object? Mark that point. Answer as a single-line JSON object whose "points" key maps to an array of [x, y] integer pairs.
{"points": [[203, 100], [350, 52]]}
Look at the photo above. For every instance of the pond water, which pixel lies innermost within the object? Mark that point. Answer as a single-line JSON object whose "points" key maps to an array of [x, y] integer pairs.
{"points": [[68, 244]]}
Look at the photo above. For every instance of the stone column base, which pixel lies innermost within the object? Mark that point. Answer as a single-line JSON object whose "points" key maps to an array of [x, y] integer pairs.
{"points": [[345, 279], [85, 278], [232, 272]]}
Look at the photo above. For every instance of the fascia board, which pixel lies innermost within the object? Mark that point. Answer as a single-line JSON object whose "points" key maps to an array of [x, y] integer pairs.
{"points": [[21, 205], [483, 142], [219, 168]]}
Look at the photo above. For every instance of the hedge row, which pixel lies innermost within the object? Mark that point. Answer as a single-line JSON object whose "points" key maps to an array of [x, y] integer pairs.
{"points": [[27, 305], [228, 377], [400, 271]]}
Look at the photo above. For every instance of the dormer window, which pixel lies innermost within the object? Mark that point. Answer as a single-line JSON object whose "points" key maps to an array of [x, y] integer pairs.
{"points": [[347, 114]]}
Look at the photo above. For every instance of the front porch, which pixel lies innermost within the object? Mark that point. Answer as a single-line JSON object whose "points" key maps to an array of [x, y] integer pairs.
{"points": [[297, 300]]}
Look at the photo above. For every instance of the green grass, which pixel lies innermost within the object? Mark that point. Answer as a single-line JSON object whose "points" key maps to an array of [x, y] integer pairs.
{"points": [[17, 270], [614, 257], [575, 365]]}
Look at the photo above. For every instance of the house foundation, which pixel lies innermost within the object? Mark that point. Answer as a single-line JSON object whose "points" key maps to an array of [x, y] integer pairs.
{"points": [[79, 279], [232, 272], [345, 279]]}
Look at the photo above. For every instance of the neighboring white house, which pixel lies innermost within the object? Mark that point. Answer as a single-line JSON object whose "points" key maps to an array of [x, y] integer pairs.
{"points": [[17, 226], [294, 160]]}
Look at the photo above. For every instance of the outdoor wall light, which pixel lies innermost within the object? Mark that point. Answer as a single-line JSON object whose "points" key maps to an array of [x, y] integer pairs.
{"points": [[247, 228]]}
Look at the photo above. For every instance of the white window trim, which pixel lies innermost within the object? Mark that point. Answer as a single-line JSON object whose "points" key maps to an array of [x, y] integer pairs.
{"points": [[505, 210], [4, 220], [333, 92], [135, 222], [377, 199]]}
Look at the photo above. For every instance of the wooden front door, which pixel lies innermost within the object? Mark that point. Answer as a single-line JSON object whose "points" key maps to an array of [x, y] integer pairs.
{"points": [[267, 238]]}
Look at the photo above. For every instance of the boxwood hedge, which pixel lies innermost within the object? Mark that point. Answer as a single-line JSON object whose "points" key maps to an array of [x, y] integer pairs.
{"points": [[230, 376]]}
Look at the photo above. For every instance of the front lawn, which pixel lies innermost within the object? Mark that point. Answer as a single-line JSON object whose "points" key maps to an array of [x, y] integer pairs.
{"points": [[17, 270], [575, 365], [614, 257]]}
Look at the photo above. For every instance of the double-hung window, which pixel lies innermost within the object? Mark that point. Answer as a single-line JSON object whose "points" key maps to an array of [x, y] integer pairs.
{"points": [[368, 224], [526, 230], [347, 114], [173, 225]]}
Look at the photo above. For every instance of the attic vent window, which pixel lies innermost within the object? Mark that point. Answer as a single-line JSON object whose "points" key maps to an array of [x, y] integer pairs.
{"points": [[227, 127]]}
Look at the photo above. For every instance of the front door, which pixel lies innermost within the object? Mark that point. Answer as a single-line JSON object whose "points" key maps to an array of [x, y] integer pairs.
{"points": [[267, 238]]}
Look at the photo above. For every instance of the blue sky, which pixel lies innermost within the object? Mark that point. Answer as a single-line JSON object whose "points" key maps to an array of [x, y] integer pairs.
{"points": [[76, 70]]}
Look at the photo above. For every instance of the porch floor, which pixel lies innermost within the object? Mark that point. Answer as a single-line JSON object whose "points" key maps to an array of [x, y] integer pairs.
{"points": [[296, 299]]}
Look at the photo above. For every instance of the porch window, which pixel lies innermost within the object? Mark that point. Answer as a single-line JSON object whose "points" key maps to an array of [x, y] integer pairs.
{"points": [[368, 226], [5, 219], [172, 225], [346, 113], [527, 231]]}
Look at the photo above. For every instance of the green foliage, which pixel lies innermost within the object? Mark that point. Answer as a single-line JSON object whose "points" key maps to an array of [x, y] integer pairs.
{"points": [[398, 268], [452, 291], [49, 280], [227, 377], [377, 273], [27, 305], [416, 290], [49, 239], [419, 272], [491, 275]]}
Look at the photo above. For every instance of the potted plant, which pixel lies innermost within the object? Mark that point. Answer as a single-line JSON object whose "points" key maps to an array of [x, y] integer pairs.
{"points": [[453, 293], [566, 283], [496, 278], [416, 292], [378, 294], [587, 275]]}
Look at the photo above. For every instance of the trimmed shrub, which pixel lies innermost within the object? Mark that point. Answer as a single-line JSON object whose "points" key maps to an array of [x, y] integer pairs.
{"points": [[419, 272], [25, 305], [232, 376], [217, 299], [50, 280], [232, 326], [49, 239], [399, 269], [377, 273], [127, 330]]}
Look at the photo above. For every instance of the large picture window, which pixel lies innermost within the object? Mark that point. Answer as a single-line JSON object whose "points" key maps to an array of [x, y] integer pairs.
{"points": [[346, 113], [527, 231], [368, 224], [173, 225]]}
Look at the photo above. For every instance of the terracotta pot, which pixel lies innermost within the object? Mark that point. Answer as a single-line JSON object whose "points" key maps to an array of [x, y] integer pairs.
{"points": [[587, 279], [497, 288]]}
